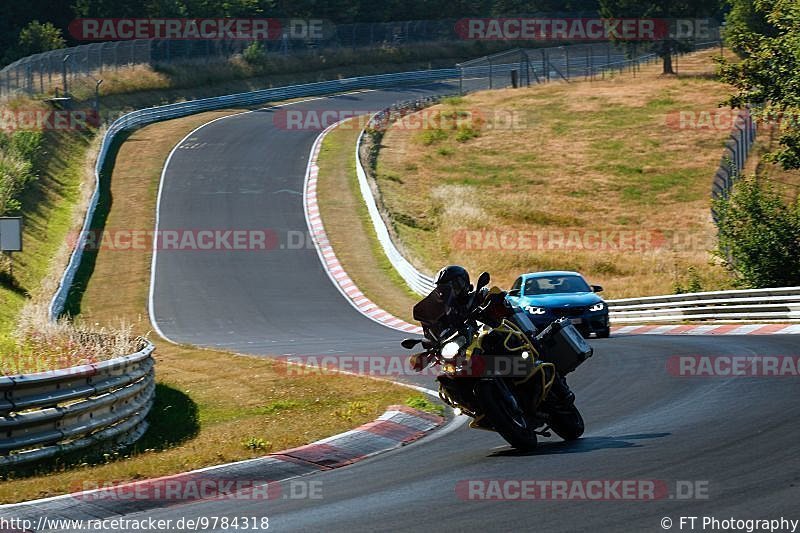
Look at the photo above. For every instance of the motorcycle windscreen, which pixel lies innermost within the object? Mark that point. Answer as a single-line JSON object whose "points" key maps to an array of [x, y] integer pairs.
{"points": [[430, 310]]}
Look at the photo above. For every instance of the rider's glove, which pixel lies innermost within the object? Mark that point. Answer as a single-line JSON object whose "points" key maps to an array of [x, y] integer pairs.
{"points": [[418, 361]]}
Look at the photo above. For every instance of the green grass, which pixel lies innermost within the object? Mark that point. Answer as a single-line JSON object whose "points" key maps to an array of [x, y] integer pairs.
{"points": [[424, 404], [349, 225], [48, 205]]}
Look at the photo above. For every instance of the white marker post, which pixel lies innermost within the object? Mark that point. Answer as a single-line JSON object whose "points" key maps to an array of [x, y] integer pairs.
{"points": [[11, 238]]}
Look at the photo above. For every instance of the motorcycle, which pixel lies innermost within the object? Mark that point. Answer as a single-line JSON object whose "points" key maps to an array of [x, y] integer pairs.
{"points": [[497, 370]]}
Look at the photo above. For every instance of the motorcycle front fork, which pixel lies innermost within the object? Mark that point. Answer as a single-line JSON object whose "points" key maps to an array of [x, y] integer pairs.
{"points": [[560, 394]]}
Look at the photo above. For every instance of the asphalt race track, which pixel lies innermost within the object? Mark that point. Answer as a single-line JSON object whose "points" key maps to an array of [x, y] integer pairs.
{"points": [[735, 436], [247, 172]]}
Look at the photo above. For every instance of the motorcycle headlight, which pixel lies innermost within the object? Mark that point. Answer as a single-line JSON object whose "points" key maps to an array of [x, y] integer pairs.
{"points": [[536, 310], [450, 350], [598, 307]]}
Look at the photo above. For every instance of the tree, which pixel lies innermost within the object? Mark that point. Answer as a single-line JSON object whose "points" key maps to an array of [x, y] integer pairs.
{"points": [[742, 22], [767, 78], [37, 37], [671, 9], [759, 235], [17, 15]]}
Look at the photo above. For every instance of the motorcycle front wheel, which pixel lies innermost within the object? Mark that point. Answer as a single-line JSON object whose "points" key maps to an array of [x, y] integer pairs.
{"points": [[505, 415], [567, 423]]}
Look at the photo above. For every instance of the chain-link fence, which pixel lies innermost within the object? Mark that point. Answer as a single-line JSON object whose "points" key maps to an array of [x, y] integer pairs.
{"points": [[44, 72], [524, 67]]}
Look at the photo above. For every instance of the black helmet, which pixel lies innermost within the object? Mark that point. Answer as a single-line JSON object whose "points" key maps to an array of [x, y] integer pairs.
{"points": [[455, 277]]}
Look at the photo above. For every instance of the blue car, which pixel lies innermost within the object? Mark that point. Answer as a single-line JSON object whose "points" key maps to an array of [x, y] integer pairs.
{"points": [[547, 296]]}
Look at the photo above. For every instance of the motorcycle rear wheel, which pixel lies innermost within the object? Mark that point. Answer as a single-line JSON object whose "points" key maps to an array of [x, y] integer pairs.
{"points": [[505, 416]]}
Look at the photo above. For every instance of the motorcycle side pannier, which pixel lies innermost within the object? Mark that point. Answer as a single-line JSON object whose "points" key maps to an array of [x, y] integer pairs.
{"points": [[563, 345]]}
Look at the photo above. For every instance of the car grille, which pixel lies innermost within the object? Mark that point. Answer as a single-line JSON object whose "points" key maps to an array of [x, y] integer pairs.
{"points": [[569, 311]]}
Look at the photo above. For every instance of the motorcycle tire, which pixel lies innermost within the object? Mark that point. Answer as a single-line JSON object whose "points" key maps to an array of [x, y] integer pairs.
{"points": [[505, 417], [567, 423]]}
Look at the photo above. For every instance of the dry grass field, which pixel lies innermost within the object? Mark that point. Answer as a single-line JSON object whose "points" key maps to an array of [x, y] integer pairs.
{"points": [[611, 178]]}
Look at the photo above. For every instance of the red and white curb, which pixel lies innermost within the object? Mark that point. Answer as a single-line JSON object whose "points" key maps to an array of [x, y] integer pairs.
{"points": [[710, 329], [257, 478], [327, 255]]}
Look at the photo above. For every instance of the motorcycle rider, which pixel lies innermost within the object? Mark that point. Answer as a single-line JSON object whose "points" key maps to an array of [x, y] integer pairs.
{"points": [[454, 289]]}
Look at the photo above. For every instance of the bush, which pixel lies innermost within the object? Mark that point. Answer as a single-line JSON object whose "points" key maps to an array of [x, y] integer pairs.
{"points": [[19, 153], [432, 136], [466, 133], [694, 283], [254, 54], [759, 235]]}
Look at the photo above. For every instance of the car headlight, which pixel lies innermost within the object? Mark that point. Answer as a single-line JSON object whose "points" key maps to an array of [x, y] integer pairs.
{"points": [[536, 310], [598, 307], [450, 350]]}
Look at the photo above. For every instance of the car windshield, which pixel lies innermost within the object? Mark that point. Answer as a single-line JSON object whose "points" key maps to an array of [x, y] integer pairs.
{"points": [[555, 285]]}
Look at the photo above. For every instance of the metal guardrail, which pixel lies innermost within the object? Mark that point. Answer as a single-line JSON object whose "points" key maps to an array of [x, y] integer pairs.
{"points": [[782, 303], [143, 117], [416, 280], [50, 413]]}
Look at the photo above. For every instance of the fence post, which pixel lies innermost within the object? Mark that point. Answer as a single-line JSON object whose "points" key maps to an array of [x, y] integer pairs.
{"points": [[527, 70], [545, 66], [64, 73]]}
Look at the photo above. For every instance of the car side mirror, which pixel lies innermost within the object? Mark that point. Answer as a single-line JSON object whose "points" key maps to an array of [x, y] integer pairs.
{"points": [[597, 288]]}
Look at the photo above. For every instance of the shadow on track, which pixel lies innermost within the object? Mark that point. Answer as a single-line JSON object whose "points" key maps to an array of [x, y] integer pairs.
{"points": [[583, 445]]}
